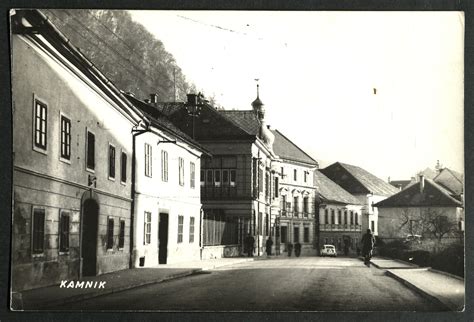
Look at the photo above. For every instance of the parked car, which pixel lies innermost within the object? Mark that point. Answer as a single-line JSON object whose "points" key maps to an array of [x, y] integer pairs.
{"points": [[328, 250]]}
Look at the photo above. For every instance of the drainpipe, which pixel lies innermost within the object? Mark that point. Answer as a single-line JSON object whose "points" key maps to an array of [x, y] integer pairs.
{"points": [[135, 132]]}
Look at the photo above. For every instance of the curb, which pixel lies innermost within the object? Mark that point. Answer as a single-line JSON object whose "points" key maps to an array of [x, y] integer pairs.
{"points": [[420, 291], [411, 266], [446, 273], [87, 296]]}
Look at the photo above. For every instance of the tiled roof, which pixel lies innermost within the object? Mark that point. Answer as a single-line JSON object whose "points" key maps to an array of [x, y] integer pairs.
{"points": [[168, 108], [357, 180], [159, 119], [450, 180], [245, 119], [400, 183], [433, 195], [331, 191], [286, 149]]}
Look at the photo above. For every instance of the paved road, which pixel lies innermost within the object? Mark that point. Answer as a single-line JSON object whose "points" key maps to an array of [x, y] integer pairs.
{"points": [[308, 283]]}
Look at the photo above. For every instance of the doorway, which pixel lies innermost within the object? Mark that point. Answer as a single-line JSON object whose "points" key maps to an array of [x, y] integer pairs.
{"points": [[89, 237], [163, 239]]}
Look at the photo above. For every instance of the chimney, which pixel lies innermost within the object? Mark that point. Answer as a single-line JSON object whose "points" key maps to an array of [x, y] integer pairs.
{"points": [[388, 179], [422, 183], [192, 99], [153, 98], [412, 179]]}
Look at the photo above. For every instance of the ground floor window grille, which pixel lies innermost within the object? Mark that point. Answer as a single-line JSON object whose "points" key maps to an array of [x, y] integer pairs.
{"points": [[122, 234], [218, 229], [64, 232], [110, 233], [38, 231]]}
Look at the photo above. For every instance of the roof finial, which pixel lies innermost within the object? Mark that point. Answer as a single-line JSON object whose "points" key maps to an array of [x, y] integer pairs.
{"points": [[257, 79]]}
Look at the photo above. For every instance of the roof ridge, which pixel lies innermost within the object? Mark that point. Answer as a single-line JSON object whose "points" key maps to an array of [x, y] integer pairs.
{"points": [[317, 163]]}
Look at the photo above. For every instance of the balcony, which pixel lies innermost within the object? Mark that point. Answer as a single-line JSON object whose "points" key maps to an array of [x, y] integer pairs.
{"points": [[339, 227], [223, 192]]}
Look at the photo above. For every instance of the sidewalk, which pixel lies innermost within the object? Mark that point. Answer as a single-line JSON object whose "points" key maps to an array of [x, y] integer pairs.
{"points": [[55, 295], [443, 288]]}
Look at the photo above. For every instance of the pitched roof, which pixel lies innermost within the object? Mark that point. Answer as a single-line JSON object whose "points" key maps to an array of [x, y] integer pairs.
{"points": [[400, 183], [331, 191], [450, 180], [286, 149], [357, 180], [432, 195], [245, 119], [428, 173], [159, 120]]}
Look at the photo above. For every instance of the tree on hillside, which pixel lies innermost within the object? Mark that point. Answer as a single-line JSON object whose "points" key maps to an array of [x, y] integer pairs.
{"points": [[124, 51]]}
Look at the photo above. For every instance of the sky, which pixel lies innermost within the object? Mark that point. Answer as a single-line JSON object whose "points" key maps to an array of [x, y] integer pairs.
{"points": [[317, 73]]}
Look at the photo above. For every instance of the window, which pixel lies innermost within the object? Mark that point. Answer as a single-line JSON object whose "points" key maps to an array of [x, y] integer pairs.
{"points": [[267, 185], [64, 232], [306, 234], [202, 178], [296, 234], [111, 161], [90, 151], [276, 187], [217, 178], [305, 176], [260, 180], [147, 228], [123, 164], [283, 203], [180, 228], [295, 205], [191, 229], [210, 178], [282, 173], [326, 214], [356, 218], [372, 226], [295, 175], [65, 138], [41, 123], [345, 217], [148, 160], [232, 178], [181, 171], [38, 231], [192, 175], [225, 177], [306, 205], [164, 166], [122, 234], [110, 233], [284, 234], [339, 216], [352, 218]]}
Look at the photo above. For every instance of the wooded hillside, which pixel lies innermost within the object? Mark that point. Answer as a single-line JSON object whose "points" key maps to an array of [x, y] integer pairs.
{"points": [[130, 56]]}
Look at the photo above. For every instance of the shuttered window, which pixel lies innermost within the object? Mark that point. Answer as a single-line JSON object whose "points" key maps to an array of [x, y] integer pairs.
{"points": [[38, 231], [64, 232]]}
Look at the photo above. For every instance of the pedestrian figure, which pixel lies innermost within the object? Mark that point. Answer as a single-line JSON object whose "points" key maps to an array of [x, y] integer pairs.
{"points": [[368, 242], [251, 245], [268, 246], [297, 249], [289, 246]]}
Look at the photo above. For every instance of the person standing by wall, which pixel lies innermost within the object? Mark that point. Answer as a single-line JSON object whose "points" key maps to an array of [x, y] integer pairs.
{"points": [[368, 242]]}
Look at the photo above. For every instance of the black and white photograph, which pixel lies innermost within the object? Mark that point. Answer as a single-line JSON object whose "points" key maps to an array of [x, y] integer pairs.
{"points": [[237, 161]]}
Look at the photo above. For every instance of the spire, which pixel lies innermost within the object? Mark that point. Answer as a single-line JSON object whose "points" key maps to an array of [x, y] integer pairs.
{"points": [[257, 104]]}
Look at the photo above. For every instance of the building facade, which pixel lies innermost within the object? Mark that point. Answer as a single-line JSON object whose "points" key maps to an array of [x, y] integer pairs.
{"points": [[296, 194], [71, 178], [237, 182], [167, 198], [364, 186], [339, 216], [425, 209]]}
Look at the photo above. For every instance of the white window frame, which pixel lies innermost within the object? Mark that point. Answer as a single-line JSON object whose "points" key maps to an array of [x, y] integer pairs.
{"points": [[192, 175], [147, 231], [148, 154], [164, 166], [121, 165], [43, 102], [181, 171], [61, 115], [86, 143], [115, 162]]}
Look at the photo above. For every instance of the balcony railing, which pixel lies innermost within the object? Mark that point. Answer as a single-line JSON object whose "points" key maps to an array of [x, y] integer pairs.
{"points": [[340, 227], [223, 192]]}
